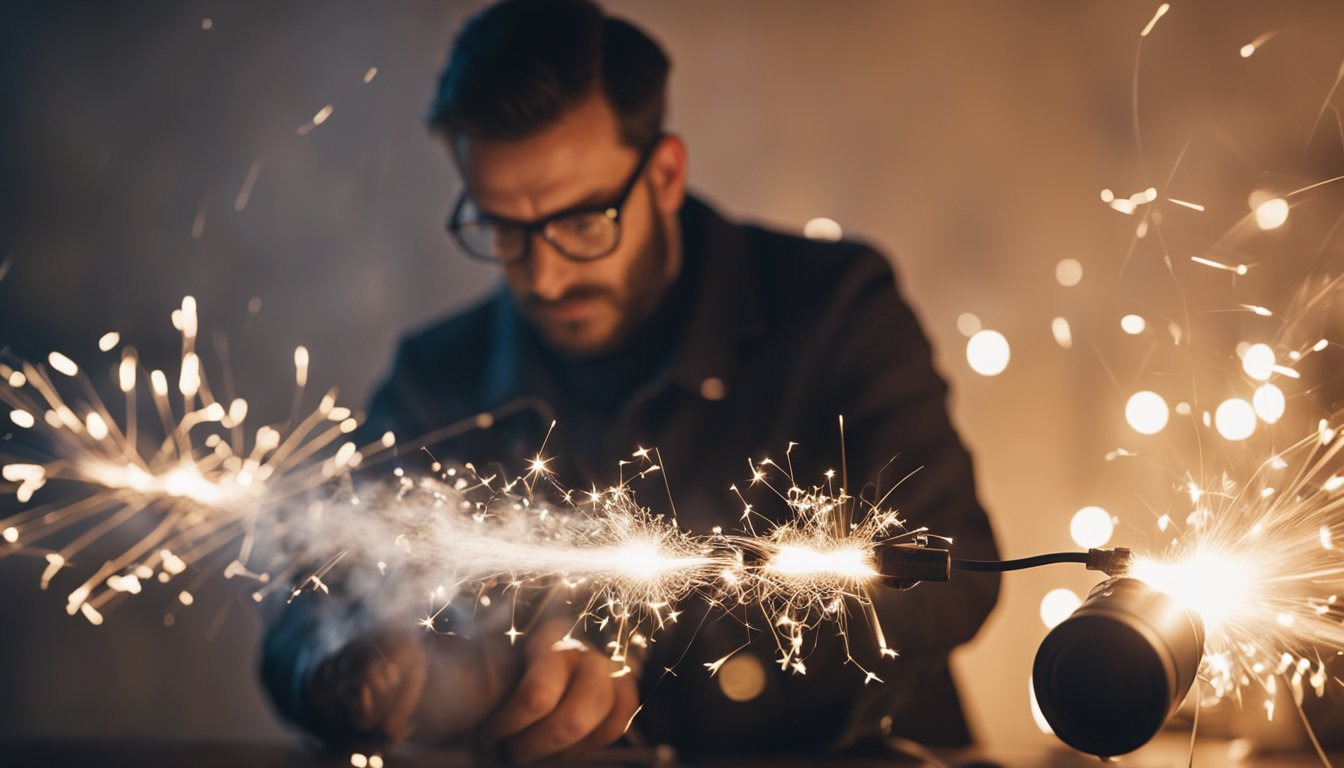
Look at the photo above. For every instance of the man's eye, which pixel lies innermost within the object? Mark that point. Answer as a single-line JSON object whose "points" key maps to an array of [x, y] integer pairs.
{"points": [[587, 225], [508, 237]]}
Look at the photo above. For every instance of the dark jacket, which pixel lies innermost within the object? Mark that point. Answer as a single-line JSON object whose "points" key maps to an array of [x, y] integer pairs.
{"points": [[767, 339]]}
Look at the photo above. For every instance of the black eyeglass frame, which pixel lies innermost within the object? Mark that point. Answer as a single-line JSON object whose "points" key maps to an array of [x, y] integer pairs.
{"points": [[611, 210]]}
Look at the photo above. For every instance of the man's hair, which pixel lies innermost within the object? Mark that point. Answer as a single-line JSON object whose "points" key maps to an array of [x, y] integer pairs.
{"points": [[520, 65]]}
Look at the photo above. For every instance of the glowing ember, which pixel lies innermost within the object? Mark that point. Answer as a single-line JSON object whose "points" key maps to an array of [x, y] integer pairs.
{"points": [[841, 563]]}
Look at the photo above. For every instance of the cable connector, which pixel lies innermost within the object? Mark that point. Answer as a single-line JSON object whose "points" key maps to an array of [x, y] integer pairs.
{"points": [[1112, 562], [902, 566]]}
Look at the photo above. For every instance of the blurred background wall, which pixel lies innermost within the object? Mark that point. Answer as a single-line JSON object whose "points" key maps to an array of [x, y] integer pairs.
{"points": [[151, 151]]}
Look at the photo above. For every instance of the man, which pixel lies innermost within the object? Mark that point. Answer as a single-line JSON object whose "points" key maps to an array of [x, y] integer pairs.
{"points": [[634, 315]]}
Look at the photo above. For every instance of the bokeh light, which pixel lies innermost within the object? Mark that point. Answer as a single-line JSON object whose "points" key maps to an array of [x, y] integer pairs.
{"points": [[1147, 413], [1269, 403], [1271, 214], [1058, 605], [1235, 419], [1069, 272], [1258, 362], [1059, 328], [822, 228], [988, 353], [968, 324], [1091, 527], [1133, 324]]}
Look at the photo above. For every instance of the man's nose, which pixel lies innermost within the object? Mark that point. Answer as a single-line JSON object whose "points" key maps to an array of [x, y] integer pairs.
{"points": [[550, 272]]}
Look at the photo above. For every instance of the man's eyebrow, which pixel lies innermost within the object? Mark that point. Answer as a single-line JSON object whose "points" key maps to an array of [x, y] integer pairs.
{"points": [[592, 200]]}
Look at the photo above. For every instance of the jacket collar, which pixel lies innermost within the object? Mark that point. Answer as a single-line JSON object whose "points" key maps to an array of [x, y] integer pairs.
{"points": [[725, 310]]}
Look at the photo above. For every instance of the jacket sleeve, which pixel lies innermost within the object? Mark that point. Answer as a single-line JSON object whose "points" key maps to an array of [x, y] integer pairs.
{"points": [[302, 632]]}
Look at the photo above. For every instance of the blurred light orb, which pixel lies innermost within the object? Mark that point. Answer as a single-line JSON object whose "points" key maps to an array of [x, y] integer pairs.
{"points": [[822, 228], [1248, 50], [1037, 715], [1059, 327], [1258, 362], [1147, 412], [1091, 527], [1235, 419], [1133, 324], [1069, 272], [1058, 605], [1271, 214], [968, 324], [988, 353], [1269, 403]]}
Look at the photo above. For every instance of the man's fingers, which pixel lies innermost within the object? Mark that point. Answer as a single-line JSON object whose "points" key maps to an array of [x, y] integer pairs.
{"points": [[374, 683], [613, 727], [585, 706], [538, 693]]}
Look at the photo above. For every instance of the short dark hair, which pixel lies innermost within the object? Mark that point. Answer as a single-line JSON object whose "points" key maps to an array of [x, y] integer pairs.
{"points": [[518, 66]]}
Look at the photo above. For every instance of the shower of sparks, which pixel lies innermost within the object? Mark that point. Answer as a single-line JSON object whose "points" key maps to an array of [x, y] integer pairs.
{"points": [[814, 565], [626, 571], [197, 480], [204, 482], [1258, 564]]}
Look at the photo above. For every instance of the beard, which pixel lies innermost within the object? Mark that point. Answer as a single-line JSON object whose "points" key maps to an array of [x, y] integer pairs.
{"points": [[632, 302]]}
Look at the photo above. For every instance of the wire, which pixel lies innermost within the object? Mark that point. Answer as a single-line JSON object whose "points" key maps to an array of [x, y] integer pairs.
{"points": [[996, 566]]}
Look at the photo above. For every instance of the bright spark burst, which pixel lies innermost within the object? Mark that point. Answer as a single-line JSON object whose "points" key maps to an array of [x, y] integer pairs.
{"points": [[1259, 567], [201, 477]]}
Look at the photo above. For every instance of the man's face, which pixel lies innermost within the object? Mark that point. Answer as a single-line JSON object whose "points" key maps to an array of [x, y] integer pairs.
{"points": [[581, 308]]}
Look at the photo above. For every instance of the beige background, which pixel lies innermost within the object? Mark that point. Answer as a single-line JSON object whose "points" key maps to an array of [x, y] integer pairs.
{"points": [[970, 140]]}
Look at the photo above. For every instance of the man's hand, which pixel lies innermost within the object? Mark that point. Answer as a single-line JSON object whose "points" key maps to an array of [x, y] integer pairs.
{"points": [[373, 685], [567, 701]]}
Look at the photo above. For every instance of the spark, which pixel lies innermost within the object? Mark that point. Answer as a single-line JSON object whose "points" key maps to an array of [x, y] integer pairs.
{"points": [[1239, 269], [1248, 50], [250, 181], [1261, 570], [200, 482], [1161, 11], [317, 119], [1186, 204]]}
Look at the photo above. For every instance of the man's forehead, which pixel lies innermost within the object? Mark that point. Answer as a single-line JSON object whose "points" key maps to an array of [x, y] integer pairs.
{"points": [[577, 161]]}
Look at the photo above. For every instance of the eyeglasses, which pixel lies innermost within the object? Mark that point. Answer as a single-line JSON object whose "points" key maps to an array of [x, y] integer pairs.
{"points": [[582, 233]]}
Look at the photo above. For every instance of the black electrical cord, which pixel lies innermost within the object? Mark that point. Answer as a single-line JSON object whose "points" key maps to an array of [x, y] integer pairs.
{"points": [[902, 566], [1022, 563]]}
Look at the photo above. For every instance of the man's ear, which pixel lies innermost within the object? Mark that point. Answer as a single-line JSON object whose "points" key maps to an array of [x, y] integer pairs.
{"points": [[667, 174]]}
